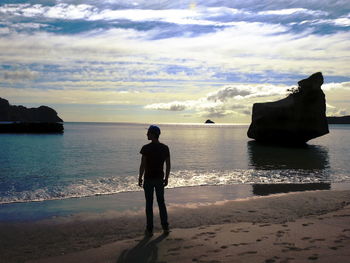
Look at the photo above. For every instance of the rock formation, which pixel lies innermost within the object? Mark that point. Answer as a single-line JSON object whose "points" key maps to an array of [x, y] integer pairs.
{"points": [[21, 119], [338, 120], [296, 119], [209, 122]]}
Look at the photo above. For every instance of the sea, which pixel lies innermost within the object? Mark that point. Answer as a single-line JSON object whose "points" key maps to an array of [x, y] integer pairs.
{"points": [[102, 159]]}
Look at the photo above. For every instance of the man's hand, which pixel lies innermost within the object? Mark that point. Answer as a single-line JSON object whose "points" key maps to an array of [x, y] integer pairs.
{"points": [[165, 182], [140, 182]]}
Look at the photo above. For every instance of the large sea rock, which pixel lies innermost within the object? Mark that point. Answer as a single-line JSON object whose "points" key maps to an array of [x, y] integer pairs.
{"points": [[295, 119], [21, 119]]}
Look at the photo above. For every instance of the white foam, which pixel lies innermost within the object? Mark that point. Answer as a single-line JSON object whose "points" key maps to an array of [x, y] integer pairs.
{"points": [[181, 178]]}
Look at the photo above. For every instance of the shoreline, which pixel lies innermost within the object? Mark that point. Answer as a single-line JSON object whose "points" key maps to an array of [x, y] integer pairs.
{"points": [[83, 232], [132, 201]]}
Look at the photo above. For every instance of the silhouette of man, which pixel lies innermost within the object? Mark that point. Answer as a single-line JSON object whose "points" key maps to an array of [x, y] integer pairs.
{"points": [[154, 155]]}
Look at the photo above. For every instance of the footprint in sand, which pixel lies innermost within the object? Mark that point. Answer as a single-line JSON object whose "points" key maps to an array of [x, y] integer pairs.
{"points": [[174, 249], [214, 251], [247, 253], [280, 233], [341, 215], [239, 244], [239, 230], [188, 247], [313, 257], [306, 238], [317, 239], [264, 225], [209, 234], [272, 260], [283, 244], [175, 239], [292, 249], [261, 239], [307, 224], [336, 247]]}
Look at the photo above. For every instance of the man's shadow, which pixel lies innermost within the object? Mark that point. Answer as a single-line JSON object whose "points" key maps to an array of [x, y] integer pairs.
{"points": [[143, 252]]}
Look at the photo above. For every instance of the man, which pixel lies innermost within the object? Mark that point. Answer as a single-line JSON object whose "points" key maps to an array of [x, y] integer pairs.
{"points": [[154, 155]]}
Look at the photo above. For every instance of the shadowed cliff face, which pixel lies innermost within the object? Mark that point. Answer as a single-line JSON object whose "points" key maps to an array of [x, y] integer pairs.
{"points": [[23, 114], [296, 119]]}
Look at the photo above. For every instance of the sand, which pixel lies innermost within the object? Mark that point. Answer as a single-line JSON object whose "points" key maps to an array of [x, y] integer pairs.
{"points": [[296, 227]]}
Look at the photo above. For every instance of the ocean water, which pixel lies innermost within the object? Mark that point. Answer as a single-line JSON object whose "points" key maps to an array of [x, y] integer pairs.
{"points": [[92, 159]]}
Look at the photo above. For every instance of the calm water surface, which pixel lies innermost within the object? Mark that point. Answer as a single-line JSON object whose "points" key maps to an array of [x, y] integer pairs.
{"points": [[101, 158]]}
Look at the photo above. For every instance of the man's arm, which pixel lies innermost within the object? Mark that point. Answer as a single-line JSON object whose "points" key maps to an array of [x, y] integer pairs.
{"points": [[142, 169], [167, 170]]}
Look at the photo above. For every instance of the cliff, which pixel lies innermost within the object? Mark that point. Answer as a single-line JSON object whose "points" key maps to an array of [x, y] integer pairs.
{"points": [[21, 119], [293, 120]]}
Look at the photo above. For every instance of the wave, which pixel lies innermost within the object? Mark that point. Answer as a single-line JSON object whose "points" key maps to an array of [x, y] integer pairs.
{"points": [[180, 178]]}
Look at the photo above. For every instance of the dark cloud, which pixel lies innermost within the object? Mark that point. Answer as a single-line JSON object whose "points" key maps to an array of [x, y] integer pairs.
{"points": [[227, 93], [177, 107]]}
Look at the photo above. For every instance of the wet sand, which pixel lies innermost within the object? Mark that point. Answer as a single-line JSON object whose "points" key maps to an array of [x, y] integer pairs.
{"points": [[296, 227]]}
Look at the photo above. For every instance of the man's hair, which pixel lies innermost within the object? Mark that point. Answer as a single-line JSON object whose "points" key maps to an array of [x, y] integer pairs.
{"points": [[155, 130]]}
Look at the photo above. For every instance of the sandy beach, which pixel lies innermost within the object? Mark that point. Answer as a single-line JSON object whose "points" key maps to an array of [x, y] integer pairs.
{"points": [[296, 227]]}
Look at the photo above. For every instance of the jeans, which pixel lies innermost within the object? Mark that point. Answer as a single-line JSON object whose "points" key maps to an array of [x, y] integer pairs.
{"points": [[149, 186]]}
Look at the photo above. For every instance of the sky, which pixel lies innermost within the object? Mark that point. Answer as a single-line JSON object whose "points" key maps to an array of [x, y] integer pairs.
{"points": [[156, 61]]}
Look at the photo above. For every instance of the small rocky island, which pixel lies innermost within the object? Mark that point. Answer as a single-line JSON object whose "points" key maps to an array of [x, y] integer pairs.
{"points": [[19, 119], [293, 120], [209, 122]]}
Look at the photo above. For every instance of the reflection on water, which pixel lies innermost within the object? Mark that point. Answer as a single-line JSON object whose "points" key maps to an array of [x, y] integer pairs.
{"points": [[266, 189], [307, 165], [308, 157]]}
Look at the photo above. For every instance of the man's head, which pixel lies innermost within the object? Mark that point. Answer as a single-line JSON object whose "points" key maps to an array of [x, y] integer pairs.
{"points": [[153, 132]]}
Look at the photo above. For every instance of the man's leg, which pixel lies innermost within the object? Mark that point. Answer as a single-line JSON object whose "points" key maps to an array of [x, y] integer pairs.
{"points": [[161, 204], [149, 190]]}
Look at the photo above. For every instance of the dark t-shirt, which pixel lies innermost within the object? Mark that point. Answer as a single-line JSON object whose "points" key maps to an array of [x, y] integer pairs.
{"points": [[156, 154]]}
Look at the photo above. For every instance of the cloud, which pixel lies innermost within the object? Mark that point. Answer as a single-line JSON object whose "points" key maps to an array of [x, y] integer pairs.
{"points": [[291, 11], [172, 106], [336, 86], [227, 93], [129, 56], [335, 111], [180, 57], [19, 76], [225, 101], [59, 11], [4, 30], [238, 99], [222, 16]]}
